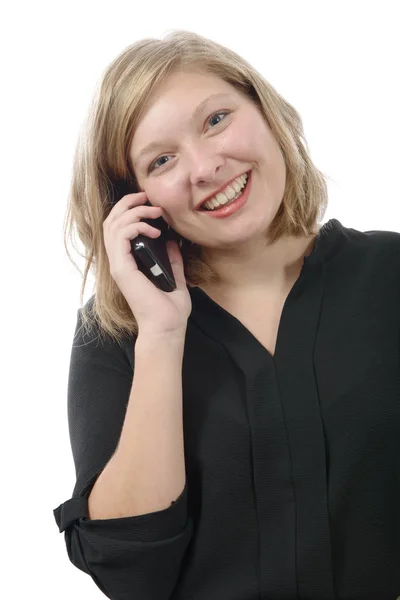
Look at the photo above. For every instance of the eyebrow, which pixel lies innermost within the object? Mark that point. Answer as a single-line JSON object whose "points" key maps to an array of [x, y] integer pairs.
{"points": [[154, 145]]}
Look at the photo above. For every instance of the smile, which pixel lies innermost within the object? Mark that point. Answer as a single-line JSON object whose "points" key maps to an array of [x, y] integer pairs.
{"points": [[232, 205], [232, 191]]}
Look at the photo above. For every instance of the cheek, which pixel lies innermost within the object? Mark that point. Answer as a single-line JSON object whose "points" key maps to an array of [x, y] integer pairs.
{"points": [[246, 140], [165, 194], [237, 144]]}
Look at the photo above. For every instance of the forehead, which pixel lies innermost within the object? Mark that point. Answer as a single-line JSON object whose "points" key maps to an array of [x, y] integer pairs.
{"points": [[184, 90], [187, 81]]}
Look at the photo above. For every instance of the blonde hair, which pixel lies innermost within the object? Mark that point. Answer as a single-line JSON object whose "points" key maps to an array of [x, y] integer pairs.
{"points": [[102, 164]]}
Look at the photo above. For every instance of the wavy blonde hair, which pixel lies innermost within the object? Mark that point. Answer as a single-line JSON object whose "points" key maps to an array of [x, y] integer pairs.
{"points": [[102, 166]]}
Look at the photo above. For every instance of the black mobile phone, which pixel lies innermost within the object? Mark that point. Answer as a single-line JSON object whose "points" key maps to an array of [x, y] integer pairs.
{"points": [[150, 254]]}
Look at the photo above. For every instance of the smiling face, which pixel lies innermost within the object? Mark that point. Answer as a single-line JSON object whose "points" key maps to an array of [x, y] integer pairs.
{"points": [[201, 146]]}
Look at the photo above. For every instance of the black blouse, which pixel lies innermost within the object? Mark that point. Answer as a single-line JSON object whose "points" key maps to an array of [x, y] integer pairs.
{"points": [[292, 460]]}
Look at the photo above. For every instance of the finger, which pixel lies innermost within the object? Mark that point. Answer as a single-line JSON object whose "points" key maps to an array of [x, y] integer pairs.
{"points": [[143, 212], [138, 214], [126, 202], [135, 229]]}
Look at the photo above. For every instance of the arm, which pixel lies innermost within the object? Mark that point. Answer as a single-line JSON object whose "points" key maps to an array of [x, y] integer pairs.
{"points": [[147, 472], [138, 555]]}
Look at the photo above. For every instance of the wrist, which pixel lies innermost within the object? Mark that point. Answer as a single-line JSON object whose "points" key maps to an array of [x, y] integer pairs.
{"points": [[149, 337]]}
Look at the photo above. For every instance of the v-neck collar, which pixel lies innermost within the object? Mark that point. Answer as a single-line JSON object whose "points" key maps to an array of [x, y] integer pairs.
{"points": [[221, 325]]}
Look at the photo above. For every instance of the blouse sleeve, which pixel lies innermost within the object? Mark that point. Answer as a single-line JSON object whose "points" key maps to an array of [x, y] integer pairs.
{"points": [[131, 558]]}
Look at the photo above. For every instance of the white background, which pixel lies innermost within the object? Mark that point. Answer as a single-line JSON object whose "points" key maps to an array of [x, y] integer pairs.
{"points": [[336, 62]]}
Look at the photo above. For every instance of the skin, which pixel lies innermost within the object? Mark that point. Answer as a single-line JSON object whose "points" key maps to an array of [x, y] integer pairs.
{"points": [[196, 157]]}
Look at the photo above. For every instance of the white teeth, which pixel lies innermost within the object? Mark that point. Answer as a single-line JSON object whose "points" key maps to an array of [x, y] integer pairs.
{"points": [[236, 186], [229, 192]]}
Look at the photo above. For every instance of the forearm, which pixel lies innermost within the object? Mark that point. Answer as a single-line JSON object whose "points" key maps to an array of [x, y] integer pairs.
{"points": [[147, 471]]}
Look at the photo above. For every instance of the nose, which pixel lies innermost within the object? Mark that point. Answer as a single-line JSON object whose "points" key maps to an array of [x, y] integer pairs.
{"points": [[203, 165]]}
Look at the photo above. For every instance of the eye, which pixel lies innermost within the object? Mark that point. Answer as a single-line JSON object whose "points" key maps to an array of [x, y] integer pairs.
{"points": [[151, 167], [213, 116], [224, 112]]}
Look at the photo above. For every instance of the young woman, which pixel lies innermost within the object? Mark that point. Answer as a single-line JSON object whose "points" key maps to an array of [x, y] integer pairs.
{"points": [[238, 437]]}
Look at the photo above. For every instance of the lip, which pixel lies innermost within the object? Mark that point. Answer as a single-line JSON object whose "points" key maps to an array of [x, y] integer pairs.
{"points": [[220, 190], [230, 209]]}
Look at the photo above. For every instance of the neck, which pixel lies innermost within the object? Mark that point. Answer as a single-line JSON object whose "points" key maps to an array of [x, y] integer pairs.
{"points": [[257, 266]]}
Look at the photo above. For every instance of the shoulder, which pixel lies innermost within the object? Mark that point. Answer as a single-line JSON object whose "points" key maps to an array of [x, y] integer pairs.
{"points": [[92, 341], [373, 237], [376, 245]]}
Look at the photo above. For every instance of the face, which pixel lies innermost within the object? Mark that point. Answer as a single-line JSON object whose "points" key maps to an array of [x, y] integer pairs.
{"points": [[199, 151]]}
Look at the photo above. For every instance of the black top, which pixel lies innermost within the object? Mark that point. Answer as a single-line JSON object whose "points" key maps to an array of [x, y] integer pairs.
{"points": [[292, 461]]}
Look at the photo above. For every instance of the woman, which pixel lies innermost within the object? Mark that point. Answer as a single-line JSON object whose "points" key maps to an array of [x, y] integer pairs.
{"points": [[239, 437]]}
